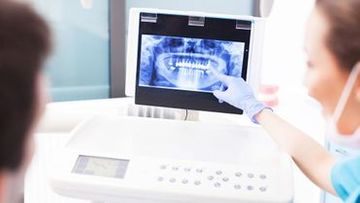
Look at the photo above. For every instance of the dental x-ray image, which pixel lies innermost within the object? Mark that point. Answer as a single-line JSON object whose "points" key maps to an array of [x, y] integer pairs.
{"points": [[187, 63]]}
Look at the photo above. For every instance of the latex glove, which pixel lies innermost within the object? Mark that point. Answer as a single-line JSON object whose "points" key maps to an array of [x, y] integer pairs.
{"points": [[240, 95]]}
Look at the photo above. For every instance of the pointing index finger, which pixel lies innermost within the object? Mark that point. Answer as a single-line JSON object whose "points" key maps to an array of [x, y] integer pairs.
{"points": [[223, 78]]}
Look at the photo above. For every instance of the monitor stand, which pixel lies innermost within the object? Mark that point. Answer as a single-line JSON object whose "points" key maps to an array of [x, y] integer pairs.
{"points": [[162, 112]]}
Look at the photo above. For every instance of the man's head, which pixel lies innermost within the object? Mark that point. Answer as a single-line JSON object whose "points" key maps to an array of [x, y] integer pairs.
{"points": [[24, 46]]}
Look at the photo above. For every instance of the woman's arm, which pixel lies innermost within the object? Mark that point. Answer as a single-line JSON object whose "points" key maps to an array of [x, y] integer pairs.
{"points": [[313, 160]]}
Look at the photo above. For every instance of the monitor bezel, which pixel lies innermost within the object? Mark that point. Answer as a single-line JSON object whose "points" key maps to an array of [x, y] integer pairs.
{"points": [[254, 55]]}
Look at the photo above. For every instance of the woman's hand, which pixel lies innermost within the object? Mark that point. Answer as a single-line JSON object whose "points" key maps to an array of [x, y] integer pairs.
{"points": [[239, 94]]}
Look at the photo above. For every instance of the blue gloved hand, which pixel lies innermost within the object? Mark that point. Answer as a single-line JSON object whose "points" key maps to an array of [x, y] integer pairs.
{"points": [[239, 94]]}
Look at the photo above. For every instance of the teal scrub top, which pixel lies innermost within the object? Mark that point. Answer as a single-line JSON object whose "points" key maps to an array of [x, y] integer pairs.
{"points": [[345, 177]]}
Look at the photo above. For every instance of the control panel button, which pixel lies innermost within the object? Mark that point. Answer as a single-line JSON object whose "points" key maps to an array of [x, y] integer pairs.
{"points": [[217, 185], [219, 172], [250, 175], [263, 176], [185, 181], [225, 179], [238, 174], [160, 179], [199, 170], [198, 182], [210, 178], [172, 180], [262, 189], [249, 187], [237, 187]]}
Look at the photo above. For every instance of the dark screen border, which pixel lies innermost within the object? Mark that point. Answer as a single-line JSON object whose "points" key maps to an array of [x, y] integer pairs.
{"points": [[177, 25]]}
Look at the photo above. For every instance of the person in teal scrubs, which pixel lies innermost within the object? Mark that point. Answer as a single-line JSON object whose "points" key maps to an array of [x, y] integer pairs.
{"points": [[346, 179], [333, 49]]}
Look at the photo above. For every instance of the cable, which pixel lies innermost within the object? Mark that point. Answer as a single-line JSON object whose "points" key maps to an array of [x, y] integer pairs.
{"points": [[186, 114]]}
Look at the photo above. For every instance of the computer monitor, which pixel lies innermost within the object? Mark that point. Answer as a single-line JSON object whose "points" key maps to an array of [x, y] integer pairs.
{"points": [[172, 57]]}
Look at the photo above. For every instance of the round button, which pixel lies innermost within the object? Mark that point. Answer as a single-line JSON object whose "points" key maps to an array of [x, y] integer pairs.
{"points": [[263, 176], [217, 185], [185, 181], [249, 187], [225, 179], [160, 179], [187, 169], [262, 189], [250, 175], [197, 182], [175, 168], [172, 180], [210, 177], [237, 187], [199, 170], [238, 174], [218, 172]]}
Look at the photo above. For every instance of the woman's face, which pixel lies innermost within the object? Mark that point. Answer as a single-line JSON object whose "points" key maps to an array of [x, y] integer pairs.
{"points": [[324, 77]]}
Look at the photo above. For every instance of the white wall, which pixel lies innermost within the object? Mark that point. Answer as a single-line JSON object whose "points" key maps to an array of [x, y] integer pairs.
{"points": [[225, 6], [284, 56], [235, 7]]}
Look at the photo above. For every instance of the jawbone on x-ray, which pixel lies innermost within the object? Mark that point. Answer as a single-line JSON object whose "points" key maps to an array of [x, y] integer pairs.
{"points": [[186, 63]]}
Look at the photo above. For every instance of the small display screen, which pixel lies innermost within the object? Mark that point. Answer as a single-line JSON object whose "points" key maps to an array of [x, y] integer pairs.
{"points": [[184, 63], [100, 166]]}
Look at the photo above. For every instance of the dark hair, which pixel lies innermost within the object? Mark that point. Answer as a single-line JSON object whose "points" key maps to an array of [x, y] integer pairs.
{"points": [[343, 38], [24, 45]]}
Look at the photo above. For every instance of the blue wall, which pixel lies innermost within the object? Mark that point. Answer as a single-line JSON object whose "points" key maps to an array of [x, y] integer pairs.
{"points": [[79, 67]]}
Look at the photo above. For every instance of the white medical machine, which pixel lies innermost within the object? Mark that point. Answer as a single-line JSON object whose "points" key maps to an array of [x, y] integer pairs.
{"points": [[126, 159]]}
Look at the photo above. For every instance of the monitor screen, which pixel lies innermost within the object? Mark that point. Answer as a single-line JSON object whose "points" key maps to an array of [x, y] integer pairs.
{"points": [[183, 63], [176, 61]]}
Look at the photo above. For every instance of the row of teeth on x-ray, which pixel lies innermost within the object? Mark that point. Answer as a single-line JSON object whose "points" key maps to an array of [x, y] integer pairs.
{"points": [[189, 78], [190, 70], [191, 65]]}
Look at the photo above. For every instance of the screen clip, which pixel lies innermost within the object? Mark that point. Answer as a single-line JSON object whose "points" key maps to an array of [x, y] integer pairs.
{"points": [[243, 25], [148, 17], [196, 21]]}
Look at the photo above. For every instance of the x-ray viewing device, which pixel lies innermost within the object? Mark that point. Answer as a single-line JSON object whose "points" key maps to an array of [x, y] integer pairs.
{"points": [[171, 55]]}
